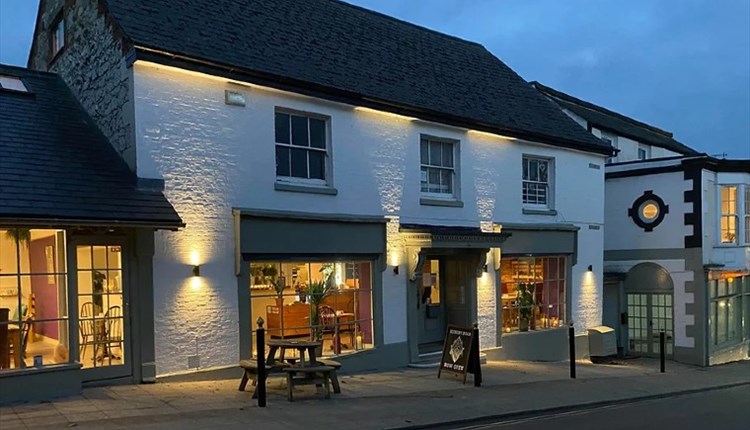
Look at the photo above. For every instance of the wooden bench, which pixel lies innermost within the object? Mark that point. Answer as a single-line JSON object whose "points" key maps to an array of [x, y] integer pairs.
{"points": [[250, 372], [334, 378], [309, 375]]}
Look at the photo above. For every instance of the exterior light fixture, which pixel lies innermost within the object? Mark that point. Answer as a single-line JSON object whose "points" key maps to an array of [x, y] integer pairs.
{"points": [[485, 268], [395, 270], [196, 270], [591, 268]]}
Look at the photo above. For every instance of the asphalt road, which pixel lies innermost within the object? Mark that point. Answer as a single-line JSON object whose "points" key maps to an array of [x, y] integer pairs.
{"points": [[725, 409]]}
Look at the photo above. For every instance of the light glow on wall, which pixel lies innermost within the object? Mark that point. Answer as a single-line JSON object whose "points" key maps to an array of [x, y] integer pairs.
{"points": [[492, 135], [365, 110], [589, 304]]}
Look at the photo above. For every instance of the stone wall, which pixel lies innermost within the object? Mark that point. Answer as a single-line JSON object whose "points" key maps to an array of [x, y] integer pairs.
{"points": [[93, 64]]}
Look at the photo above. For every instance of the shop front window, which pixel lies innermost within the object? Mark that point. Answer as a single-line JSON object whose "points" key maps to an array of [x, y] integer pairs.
{"points": [[33, 299], [330, 302], [728, 294], [533, 293]]}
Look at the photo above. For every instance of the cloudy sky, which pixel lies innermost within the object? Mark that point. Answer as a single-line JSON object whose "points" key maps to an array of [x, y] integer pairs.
{"points": [[681, 65]]}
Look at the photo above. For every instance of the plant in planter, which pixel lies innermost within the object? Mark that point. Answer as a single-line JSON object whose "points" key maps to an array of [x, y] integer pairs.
{"points": [[19, 235], [317, 291], [525, 305]]}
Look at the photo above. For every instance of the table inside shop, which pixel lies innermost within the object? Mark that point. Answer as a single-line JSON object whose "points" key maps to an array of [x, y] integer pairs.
{"points": [[304, 347]]}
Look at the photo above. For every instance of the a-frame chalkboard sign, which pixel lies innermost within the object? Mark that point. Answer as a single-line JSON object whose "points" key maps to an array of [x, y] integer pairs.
{"points": [[461, 354]]}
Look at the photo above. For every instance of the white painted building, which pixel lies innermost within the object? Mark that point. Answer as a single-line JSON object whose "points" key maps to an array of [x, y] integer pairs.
{"points": [[405, 178], [676, 243]]}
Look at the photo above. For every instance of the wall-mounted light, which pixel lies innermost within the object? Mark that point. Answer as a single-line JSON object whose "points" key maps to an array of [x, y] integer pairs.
{"points": [[196, 270], [395, 270], [486, 269], [591, 268]]}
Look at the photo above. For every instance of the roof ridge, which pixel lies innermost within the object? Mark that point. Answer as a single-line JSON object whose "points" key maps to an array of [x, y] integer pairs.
{"points": [[588, 105], [402, 21], [26, 70]]}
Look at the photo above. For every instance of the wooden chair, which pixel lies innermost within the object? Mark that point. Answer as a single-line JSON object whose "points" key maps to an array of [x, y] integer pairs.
{"points": [[86, 328], [113, 335], [24, 340]]}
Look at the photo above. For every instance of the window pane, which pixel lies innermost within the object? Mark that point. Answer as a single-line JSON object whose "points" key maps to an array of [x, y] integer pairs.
{"points": [[434, 180], [447, 154], [317, 133], [282, 161], [533, 170], [721, 323], [435, 154], [282, 128], [299, 163], [446, 181], [8, 253], [317, 165], [525, 168], [423, 180], [299, 133], [424, 151], [543, 171]]}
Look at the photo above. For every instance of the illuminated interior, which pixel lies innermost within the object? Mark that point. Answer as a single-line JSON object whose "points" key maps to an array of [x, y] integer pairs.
{"points": [[533, 293]]}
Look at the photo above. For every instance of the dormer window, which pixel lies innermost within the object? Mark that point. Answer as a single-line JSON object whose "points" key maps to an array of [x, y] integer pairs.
{"points": [[58, 35]]}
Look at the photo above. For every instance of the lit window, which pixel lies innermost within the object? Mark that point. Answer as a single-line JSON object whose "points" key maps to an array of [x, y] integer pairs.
{"points": [[438, 166], [533, 293], [536, 181], [301, 148], [729, 214], [650, 211], [12, 83], [33, 309], [726, 308], [330, 302], [58, 35]]}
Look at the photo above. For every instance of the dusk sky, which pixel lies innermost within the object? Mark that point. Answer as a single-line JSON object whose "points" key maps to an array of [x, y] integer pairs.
{"points": [[681, 65]]}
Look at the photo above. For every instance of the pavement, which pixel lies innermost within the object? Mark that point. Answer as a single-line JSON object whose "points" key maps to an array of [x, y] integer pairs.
{"points": [[408, 398]]}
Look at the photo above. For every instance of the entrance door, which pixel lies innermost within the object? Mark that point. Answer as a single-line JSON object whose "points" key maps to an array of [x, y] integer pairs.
{"points": [[103, 329], [431, 302], [648, 315]]}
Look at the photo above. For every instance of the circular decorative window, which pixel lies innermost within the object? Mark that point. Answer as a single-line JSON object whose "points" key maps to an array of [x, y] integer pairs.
{"points": [[648, 211]]}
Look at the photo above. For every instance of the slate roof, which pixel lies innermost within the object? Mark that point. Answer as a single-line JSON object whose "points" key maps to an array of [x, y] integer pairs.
{"points": [[603, 118], [366, 57], [57, 168]]}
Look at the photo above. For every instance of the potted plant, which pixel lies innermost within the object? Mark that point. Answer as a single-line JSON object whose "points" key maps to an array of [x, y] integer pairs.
{"points": [[525, 305], [19, 235], [317, 291]]}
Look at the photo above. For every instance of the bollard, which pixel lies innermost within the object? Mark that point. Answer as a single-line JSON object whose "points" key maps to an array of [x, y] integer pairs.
{"points": [[572, 347], [662, 352], [260, 349], [475, 355]]}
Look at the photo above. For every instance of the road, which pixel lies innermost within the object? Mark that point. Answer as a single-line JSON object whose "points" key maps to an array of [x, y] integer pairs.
{"points": [[725, 409]]}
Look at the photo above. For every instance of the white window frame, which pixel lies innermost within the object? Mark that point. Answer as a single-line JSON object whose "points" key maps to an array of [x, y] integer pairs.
{"points": [[747, 215], [327, 164], [549, 203], [454, 169], [57, 35], [729, 215]]}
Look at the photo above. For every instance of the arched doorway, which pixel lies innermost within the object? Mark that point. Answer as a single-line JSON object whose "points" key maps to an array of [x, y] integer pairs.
{"points": [[649, 296]]}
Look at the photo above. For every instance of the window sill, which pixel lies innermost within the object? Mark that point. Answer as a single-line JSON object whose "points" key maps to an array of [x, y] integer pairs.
{"points": [[44, 369], [425, 201], [311, 189], [549, 212]]}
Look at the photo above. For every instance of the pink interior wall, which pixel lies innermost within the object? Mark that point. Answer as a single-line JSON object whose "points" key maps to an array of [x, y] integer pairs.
{"points": [[44, 291]]}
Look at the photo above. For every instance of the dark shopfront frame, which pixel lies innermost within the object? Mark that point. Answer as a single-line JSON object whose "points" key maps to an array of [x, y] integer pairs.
{"points": [[68, 379], [296, 236]]}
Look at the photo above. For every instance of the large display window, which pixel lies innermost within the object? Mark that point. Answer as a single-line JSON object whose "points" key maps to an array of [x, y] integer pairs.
{"points": [[33, 299], [330, 302], [533, 293]]}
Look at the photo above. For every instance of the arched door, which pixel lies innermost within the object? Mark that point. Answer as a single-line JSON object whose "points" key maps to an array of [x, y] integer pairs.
{"points": [[649, 290]]}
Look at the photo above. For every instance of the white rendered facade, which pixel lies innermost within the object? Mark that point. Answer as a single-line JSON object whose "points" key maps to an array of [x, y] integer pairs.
{"points": [[215, 157]]}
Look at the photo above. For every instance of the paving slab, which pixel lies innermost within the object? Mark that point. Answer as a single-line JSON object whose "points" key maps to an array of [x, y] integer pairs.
{"points": [[397, 399]]}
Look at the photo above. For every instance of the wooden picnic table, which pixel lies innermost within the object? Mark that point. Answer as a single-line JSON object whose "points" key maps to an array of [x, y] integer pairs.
{"points": [[305, 347]]}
